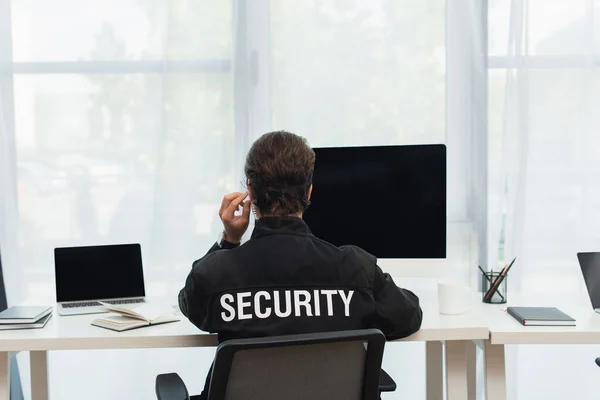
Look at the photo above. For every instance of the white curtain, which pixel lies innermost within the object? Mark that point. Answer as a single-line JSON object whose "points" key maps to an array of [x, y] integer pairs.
{"points": [[117, 126], [544, 168], [122, 132], [544, 141], [127, 120]]}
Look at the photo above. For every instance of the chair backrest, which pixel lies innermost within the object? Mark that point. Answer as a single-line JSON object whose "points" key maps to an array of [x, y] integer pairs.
{"points": [[320, 366]]}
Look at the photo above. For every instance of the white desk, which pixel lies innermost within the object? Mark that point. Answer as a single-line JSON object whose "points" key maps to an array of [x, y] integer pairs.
{"points": [[504, 330], [76, 333]]}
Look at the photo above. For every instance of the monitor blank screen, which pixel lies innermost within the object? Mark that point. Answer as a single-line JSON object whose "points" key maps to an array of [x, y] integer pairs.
{"points": [[98, 272], [388, 200]]}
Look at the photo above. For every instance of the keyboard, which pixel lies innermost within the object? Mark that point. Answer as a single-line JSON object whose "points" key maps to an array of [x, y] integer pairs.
{"points": [[96, 304]]}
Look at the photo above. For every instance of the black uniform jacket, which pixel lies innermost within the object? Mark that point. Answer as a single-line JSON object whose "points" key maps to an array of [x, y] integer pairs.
{"points": [[284, 280]]}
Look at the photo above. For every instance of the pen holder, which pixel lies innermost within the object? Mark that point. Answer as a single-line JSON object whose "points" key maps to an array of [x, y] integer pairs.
{"points": [[490, 283]]}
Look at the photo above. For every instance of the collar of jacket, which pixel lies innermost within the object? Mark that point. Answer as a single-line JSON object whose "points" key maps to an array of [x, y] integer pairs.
{"points": [[276, 225]]}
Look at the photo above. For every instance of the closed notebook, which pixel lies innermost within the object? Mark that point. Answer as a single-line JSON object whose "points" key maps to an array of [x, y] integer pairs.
{"points": [[23, 314], [540, 316], [132, 318], [34, 325]]}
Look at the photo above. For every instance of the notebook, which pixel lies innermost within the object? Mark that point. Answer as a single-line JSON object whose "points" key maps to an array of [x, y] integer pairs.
{"points": [[23, 314], [132, 318], [34, 325], [540, 316]]}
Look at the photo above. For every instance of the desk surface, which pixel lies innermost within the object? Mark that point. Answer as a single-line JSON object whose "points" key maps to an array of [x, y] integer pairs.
{"points": [[438, 327], [76, 332], [504, 329], [483, 321]]}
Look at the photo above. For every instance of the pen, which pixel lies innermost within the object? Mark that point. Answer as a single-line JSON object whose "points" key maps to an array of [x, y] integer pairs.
{"points": [[484, 274]]}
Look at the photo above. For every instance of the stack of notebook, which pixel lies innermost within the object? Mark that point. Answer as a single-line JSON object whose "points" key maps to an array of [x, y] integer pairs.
{"points": [[24, 317]]}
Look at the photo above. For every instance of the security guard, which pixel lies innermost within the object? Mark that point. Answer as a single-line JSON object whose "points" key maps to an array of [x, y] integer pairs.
{"points": [[284, 280]]}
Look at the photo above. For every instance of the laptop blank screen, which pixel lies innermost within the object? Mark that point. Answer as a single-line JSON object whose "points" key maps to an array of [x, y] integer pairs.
{"points": [[590, 267], [98, 272]]}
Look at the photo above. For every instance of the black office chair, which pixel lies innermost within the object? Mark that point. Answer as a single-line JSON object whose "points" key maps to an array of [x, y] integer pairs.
{"points": [[319, 366]]}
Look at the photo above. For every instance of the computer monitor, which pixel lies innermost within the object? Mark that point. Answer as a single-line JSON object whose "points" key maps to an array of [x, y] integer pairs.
{"points": [[388, 200]]}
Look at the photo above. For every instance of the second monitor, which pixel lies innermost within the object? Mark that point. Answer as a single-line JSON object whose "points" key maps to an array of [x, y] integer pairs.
{"points": [[388, 200]]}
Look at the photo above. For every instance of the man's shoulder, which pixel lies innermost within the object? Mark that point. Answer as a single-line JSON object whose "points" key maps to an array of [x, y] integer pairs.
{"points": [[215, 258], [350, 254], [359, 254], [215, 263]]}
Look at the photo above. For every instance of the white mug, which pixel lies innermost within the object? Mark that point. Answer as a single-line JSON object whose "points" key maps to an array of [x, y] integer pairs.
{"points": [[454, 298]]}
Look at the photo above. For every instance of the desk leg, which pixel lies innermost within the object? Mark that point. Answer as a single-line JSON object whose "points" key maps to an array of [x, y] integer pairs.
{"points": [[4, 375], [435, 370], [457, 386], [471, 354], [39, 375], [495, 372]]}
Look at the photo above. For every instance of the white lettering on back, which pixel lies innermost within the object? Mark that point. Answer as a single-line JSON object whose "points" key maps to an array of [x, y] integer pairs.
{"points": [[243, 304], [329, 294], [277, 304], [317, 303], [257, 310], [302, 303], [227, 307], [346, 300]]}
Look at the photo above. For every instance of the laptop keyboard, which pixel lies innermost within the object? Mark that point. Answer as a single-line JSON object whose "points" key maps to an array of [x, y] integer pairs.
{"points": [[96, 304]]}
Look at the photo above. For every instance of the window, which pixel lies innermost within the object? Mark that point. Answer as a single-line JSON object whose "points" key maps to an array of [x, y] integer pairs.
{"points": [[123, 126], [131, 117], [345, 73], [542, 106]]}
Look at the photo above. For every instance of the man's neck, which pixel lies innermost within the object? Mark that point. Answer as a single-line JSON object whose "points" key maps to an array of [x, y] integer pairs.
{"points": [[298, 215]]}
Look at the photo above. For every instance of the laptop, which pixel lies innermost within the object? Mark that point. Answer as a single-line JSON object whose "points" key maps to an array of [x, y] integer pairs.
{"points": [[590, 267], [88, 274]]}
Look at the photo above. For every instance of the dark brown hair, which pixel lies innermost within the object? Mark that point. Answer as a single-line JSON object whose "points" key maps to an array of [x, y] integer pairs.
{"points": [[279, 168]]}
